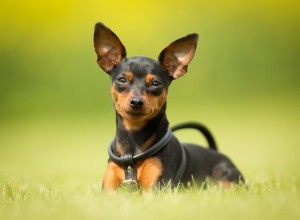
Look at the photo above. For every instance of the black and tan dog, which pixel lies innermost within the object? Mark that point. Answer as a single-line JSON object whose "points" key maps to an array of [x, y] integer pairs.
{"points": [[144, 151]]}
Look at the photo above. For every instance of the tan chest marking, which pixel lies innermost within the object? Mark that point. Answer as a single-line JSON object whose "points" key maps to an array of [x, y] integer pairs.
{"points": [[148, 173]]}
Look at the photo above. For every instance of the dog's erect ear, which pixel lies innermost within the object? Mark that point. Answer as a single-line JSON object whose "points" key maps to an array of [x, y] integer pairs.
{"points": [[109, 49], [176, 57]]}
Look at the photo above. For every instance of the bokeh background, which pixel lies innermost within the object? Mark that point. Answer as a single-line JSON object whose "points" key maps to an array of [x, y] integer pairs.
{"points": [[56, 115]]}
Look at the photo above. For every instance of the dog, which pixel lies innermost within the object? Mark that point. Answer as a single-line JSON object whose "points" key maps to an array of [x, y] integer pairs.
{"points": [[144, 153]]}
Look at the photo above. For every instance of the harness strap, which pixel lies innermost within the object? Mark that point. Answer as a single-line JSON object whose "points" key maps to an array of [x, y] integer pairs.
{"points": [[134, 159], [129, 161], [182, 167], [129, 167]]}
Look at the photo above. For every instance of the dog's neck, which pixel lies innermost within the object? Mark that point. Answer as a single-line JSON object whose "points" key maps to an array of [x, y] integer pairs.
{"points": [[136, 141]]}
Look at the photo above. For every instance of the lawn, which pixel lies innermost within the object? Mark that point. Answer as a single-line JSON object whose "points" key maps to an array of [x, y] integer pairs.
{"points": [[268, 199]]}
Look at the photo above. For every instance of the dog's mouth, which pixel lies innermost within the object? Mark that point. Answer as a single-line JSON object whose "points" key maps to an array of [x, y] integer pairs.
{"points": [[136, 113]]}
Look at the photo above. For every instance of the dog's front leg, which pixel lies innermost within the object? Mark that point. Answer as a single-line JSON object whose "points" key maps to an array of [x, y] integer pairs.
{"points": [[113, 176]]}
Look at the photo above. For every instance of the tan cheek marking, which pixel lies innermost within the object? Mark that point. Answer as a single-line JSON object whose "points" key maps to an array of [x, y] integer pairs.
{"points": [[121, 100], [113, 176], [162, 98], [114, 93], [149, 172], [155, 103]]}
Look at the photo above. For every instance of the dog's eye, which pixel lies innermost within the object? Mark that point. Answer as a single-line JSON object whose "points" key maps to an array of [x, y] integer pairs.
{"points": [[155, 83], [122, 80]]}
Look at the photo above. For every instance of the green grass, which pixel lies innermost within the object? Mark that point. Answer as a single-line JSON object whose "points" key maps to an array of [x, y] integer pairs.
{"points": [[269, 199]]}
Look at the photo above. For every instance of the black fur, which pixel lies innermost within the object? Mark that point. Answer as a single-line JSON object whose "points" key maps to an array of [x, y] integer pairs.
{"points": [[202, 163]]}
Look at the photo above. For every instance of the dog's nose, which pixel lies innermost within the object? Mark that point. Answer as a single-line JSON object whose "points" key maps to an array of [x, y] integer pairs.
{"points": [[137, 103]]}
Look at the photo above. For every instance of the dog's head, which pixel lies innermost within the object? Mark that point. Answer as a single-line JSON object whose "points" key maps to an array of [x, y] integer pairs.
{"points": [[140, 84]]}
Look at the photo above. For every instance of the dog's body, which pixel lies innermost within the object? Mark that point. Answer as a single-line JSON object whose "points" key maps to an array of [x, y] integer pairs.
{"points": [[139, 90]]}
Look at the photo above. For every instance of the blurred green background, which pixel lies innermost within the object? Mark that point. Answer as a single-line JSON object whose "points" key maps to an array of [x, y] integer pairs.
{"points": [[56, 115]]}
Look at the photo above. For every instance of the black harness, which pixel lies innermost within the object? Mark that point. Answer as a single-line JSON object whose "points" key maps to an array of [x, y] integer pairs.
{"points": [[129, 161]]}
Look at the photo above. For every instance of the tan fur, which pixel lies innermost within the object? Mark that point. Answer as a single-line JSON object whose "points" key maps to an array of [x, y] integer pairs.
{"points": [[113, 176], [148, 173], [151, 108]]}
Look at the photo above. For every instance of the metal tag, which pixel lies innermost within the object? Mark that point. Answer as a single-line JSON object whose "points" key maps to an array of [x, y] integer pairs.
{"points": [[130, 185]]}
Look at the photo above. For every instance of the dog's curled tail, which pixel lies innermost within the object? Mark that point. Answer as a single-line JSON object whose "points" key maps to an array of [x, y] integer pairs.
{"points": [[195, 125]]}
